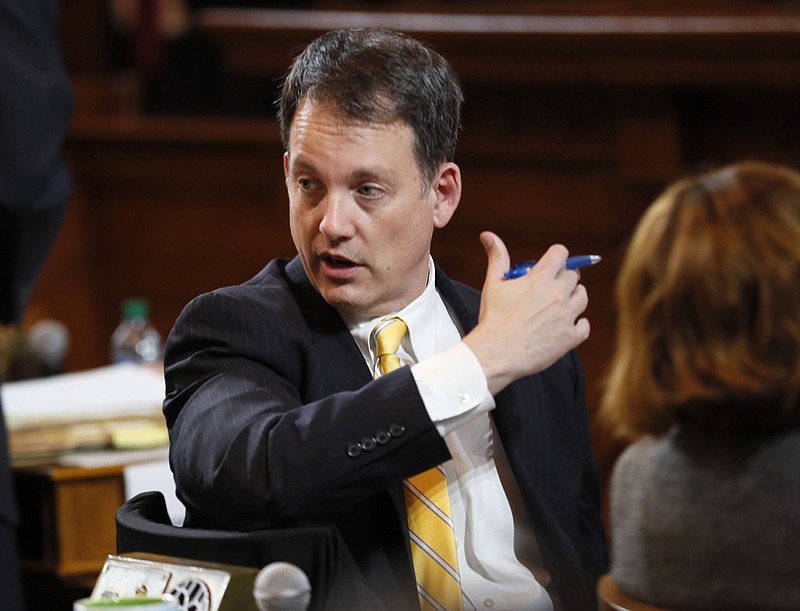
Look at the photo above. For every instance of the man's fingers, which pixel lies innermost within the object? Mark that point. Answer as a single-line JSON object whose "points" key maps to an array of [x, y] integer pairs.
{"points": [[553, 260], [582, 329]]}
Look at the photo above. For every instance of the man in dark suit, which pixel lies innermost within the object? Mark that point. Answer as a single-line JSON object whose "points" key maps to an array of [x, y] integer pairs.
{"points": [[280, 413], [35, 108]]}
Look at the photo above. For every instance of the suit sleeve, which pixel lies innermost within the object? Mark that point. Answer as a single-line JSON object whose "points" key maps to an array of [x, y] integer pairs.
{"points": [[270, 424]]}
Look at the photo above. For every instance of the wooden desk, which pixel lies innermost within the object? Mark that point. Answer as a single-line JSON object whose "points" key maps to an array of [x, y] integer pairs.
{"points": [[67, 525]]}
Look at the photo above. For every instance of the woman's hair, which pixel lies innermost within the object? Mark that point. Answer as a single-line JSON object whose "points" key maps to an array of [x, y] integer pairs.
{"points": [[373, 75], [708, 300]]}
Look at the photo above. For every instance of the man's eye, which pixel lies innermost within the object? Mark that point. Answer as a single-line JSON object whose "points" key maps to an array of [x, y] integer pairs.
{"points": [[370, 191], [305, 184]]}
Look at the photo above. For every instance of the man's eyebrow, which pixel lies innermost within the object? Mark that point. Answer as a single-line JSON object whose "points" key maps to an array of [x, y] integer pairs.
{"points": [[378, 173], [374, 173], [300, 163]]}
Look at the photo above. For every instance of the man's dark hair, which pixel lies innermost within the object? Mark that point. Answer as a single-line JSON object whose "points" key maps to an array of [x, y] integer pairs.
{"points": [[373, 75]]}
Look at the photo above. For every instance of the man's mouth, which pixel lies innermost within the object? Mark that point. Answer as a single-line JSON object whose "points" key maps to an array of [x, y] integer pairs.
{"points": [[339, 262]]}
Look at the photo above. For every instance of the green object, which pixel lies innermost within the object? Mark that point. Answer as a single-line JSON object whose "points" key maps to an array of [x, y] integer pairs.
{"points": [[111, 603], [135, 308]]}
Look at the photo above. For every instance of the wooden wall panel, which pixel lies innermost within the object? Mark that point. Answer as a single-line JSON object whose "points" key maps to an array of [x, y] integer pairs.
{"points": [[163, 209]]}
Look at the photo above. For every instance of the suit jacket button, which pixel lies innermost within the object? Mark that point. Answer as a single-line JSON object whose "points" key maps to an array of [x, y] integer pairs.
{"points": [[368, 444], [353, 450], [383, 437], [396, 430]]}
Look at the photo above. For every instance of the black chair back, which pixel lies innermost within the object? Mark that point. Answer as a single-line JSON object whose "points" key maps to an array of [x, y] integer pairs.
{"points": [[143, 525]]}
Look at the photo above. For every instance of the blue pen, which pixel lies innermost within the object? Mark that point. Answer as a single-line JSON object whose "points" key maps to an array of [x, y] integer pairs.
{"points": [[520, 269]]}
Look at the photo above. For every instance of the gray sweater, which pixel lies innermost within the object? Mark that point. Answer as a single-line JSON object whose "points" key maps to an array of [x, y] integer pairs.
{"points": [[696, 524]]}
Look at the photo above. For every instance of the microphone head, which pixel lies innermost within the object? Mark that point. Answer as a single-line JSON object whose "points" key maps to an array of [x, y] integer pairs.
{"points": [[49, 340], [282, 586]]}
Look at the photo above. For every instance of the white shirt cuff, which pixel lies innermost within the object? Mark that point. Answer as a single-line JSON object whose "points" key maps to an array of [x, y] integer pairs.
{"points": [[453, 387]]}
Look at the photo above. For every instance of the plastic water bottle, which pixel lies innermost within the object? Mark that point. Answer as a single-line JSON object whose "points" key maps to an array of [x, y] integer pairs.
{"points": [[135, 340]]}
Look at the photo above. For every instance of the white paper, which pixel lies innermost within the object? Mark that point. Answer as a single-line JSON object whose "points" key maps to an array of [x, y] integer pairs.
{"points": [[111, 458], [156, 475], [115, 391]]}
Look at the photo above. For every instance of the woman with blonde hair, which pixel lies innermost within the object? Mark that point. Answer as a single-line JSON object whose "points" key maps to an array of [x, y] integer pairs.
{"points": [[705, 504]]}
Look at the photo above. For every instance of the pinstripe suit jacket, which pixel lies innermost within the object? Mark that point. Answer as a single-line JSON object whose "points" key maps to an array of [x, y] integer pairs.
{"points": [[272, 415]]}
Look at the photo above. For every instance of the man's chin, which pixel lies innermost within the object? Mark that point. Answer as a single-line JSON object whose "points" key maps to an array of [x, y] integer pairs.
{"points": [[343, 298]]}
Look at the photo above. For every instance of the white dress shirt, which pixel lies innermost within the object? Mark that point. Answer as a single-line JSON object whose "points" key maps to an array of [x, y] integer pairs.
{"points": [[497, 551]]}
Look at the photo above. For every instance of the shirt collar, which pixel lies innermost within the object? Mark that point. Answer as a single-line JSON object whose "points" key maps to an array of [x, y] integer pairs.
{"points": [[419, 316]]}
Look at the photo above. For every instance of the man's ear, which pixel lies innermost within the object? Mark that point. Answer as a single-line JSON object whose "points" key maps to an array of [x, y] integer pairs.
{"points": [[286, 164], [446, 193]]}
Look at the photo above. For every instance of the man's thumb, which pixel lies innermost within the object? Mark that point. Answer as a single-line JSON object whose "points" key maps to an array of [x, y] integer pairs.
{"points": [[497, 254]]}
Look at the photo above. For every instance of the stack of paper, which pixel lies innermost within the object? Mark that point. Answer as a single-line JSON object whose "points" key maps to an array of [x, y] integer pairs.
{"points": [[114, 407]]}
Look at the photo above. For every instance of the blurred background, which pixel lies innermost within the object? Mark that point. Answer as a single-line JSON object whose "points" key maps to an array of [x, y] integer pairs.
{"points": [[577, 114]]}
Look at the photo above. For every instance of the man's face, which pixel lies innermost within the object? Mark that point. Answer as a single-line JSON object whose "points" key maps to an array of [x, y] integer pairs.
{"points": [[360, 213]]}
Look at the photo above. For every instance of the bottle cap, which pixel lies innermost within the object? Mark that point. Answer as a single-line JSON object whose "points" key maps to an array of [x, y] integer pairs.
{"points": [[135, 308]]}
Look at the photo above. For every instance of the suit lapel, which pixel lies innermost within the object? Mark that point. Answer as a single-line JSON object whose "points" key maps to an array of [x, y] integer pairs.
{"points": [[333, 343], [346, 370]]}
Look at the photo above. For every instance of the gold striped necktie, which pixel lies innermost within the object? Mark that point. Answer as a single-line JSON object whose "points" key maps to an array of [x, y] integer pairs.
{"points": [[430, 525], [389, 333]]}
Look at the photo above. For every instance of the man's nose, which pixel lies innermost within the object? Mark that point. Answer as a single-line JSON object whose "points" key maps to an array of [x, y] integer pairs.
{"points": [[337, 218]]}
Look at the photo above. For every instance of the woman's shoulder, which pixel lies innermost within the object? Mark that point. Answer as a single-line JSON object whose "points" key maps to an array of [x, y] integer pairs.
{"points": [[686, 461]]}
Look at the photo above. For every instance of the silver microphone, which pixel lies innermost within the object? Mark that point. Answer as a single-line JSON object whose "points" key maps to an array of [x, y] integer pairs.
{"points": [[282, 586], [49, 341]]}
